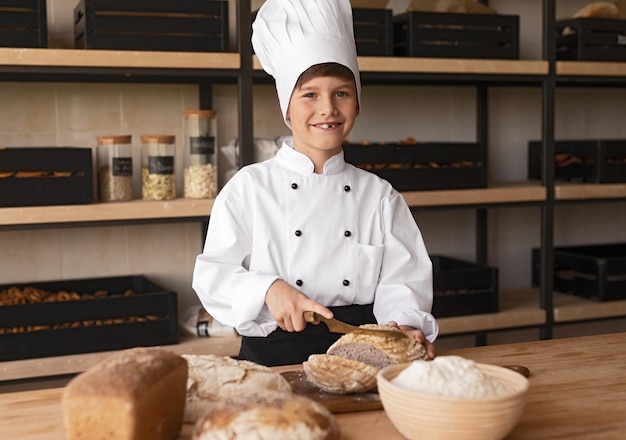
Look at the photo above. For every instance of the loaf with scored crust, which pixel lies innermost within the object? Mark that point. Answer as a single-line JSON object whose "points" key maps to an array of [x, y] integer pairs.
{"points": [[214, 378], [267, 415], [350, 365], [135, 394]]}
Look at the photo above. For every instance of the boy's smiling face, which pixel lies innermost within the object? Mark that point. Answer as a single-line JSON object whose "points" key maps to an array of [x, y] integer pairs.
{"points": [[322, 112]]}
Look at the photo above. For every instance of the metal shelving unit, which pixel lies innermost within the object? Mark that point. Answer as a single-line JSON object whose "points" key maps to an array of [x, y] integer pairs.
{"points": [[241, 68]]}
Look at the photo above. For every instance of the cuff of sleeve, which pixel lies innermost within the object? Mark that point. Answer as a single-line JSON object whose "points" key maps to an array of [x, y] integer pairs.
{"points": [[423, 321]]}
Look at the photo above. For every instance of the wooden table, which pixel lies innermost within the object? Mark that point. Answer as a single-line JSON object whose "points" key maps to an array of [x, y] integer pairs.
{"points": [[577, 391]]}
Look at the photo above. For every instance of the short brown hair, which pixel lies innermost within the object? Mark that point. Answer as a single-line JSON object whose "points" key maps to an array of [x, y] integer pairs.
{"points": [[325, 69]]}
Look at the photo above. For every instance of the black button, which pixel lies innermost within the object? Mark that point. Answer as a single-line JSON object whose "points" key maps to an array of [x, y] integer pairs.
{"points": [[298, 232], [346, 282], [347, 233], [299, 283], [347, 188], [294, 186]]}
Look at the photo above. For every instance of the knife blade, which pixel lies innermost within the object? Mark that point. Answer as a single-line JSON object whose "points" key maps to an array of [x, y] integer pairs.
{"points": [[336, 326]]}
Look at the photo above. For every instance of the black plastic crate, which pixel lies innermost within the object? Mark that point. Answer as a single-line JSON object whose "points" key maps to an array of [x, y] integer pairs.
{"points": [[596, 161], [596, 271], [463, 288], [157, 25], [45, 176], [456, 35], [23, 23], [373, 31], [147, 317], [591, 39], [423, 166]]}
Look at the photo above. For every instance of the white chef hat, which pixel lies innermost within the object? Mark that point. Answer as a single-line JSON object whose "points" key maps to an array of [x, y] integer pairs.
{"points": [[289, 36]]}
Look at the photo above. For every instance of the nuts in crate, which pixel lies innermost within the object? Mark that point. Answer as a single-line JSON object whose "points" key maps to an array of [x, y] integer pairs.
{"points": [[413, 166], [597, 161], [34, 176], [53, 318]]}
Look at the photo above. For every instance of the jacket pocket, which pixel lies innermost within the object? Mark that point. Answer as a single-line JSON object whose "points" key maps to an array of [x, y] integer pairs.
{"points": [[369, 260]]}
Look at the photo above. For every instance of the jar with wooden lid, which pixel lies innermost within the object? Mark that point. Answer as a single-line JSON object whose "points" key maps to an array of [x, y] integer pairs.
{"points": [[158, 176], [115, 168], [200, 158]]}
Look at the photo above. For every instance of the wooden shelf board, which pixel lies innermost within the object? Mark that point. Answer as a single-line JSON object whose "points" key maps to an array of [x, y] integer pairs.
{"points": [[453, 66], [118, 59], [496, 192], [103, 212], [77, 363], [518, 308], [446, 65], [590, 68], [582, 191], [570, 308]]}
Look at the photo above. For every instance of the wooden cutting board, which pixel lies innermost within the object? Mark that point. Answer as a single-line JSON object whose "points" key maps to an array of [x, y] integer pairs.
{"points": [[335, 403]]}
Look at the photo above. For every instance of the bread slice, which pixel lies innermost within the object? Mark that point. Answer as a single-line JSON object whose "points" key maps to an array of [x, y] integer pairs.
{"points": [[136, 394], [214, 378], [267, 415], [376, 350]]}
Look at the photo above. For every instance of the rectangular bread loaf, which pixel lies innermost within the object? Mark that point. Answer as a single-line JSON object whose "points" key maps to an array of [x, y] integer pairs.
{"points": [[136, 394]]}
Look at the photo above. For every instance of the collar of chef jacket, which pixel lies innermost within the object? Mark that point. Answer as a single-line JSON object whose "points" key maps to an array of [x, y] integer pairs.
{"points": [[300, 163]]}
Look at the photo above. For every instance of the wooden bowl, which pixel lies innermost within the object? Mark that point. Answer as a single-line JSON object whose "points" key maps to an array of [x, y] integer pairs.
{"points": [[418, 415]]}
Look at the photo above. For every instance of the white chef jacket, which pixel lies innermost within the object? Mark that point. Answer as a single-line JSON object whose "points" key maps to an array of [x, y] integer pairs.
{"points": [[342, 237]]}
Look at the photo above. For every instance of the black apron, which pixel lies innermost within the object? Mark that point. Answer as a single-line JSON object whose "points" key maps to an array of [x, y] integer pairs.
{"points": [[286, 348]]}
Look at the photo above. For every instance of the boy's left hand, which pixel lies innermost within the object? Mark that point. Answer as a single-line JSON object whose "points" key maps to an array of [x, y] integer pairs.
{"points": [[419, 337]]}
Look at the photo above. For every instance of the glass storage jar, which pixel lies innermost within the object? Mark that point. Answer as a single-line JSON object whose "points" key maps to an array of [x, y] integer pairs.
{"points": [[200, 158], [115, 168], [158, 176]]}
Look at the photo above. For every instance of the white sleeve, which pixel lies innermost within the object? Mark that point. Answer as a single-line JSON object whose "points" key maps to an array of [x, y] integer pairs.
{"points": [[405, 290], [228, 291]]}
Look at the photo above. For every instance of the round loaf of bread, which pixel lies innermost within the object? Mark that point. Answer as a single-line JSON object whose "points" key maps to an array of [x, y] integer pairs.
{"points": [[267, 415], [214, 378], [350, 365], [338, 375]]}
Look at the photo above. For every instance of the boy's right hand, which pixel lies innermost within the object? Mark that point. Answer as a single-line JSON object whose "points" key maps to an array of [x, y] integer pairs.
{"points": [[287, 305]]}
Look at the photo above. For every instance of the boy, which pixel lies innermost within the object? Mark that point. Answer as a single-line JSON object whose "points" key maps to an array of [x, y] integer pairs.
{"points": [[305, 230]]}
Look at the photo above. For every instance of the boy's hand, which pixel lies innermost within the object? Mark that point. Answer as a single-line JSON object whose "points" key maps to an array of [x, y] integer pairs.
{"points": [[287, 305], [419, 337]]}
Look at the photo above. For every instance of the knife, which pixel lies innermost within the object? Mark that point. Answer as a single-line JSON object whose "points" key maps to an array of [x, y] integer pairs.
{"points": [[337, 326]]}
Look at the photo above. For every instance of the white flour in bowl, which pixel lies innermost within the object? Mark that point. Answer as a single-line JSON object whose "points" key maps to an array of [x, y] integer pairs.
{"points": [[449, 376]]}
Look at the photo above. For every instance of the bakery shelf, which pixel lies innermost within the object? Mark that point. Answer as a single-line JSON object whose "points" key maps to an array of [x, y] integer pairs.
{"points": [[26, 63], [77, 363], [590, 68], [589, 191], [519, 308], [570, 308], [445, 69], [495, 193], [125, 212], [181, 209]]}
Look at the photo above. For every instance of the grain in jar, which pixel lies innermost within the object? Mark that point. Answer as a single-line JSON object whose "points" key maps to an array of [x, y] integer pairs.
{"points": [[115, 168], [200, 160], [158, 176]]}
